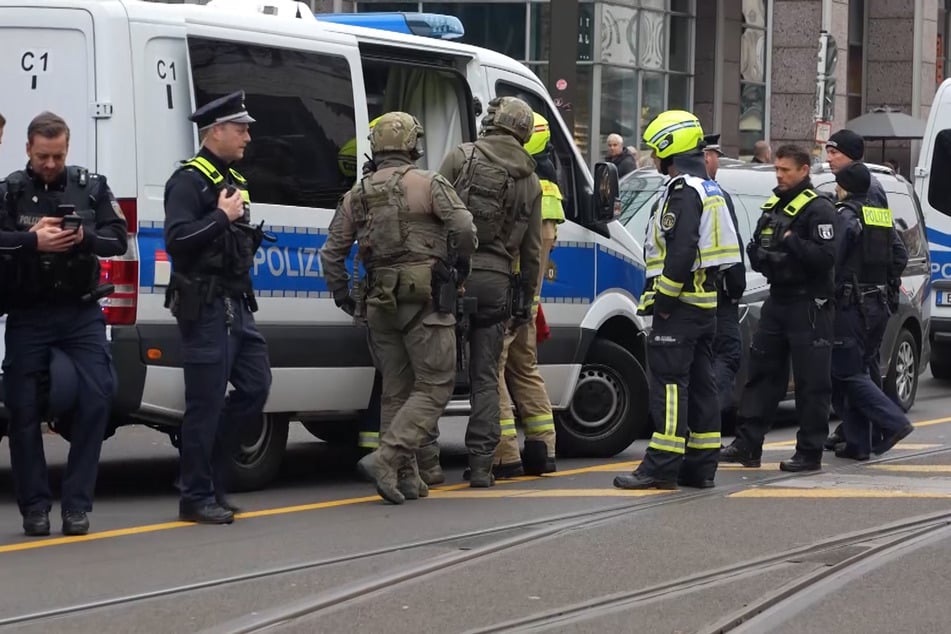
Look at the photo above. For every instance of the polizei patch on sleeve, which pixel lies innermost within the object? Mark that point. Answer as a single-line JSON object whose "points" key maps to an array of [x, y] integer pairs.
{"points": [[668, 220], [826, 232]]}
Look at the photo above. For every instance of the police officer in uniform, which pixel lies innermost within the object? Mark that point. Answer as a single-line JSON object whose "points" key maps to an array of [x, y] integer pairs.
{"points": [[495, 178], [411, 230], [211, 243], [519, 378], [869, 253], [56, 219], [728, 342], [793, 245], [684, 252]]}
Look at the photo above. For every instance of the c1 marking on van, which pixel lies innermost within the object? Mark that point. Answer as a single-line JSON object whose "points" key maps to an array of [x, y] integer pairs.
{"points": [[35, 62], [166, 72]]}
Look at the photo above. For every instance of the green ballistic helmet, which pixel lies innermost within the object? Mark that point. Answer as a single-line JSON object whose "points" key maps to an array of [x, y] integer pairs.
{"points": [[396, 132], [512, 115]]}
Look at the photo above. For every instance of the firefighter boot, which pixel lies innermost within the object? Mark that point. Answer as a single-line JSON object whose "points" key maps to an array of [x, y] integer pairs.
{"points": [[409, 482], [480, 471], [382, 473], [427, 460], [535, 458]]}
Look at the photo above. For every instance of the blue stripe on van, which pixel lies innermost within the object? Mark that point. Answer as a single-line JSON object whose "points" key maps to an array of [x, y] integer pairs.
{"points": [[579, 271]]}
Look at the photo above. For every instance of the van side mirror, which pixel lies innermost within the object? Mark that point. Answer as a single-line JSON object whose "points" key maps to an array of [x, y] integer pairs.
{"points": [[605, 203]]}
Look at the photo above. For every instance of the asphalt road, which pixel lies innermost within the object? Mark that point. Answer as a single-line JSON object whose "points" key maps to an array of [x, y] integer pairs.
{"points": [[859, 547]]}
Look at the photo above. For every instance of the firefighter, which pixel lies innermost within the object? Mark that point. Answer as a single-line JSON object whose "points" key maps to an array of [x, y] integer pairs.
{"points": [[690, 237]]}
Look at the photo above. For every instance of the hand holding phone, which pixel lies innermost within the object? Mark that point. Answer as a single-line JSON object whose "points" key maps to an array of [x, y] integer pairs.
{"points": [[71, 222]]}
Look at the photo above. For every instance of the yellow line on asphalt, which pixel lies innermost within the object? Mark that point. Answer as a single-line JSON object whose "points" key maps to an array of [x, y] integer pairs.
{"points": [[776, 492], [544, 493], [907, 446], [283, 510], [913, 468]]}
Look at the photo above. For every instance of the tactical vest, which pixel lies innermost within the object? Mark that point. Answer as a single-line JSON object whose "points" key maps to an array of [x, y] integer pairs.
{"points": [[773, 225], [488, 192], [718, 247], [388, 230], [52, 276], [869, 262], [230, 255]]}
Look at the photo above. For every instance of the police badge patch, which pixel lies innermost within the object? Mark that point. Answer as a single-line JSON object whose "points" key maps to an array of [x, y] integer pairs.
{"points": [[826, 232], [668, 220]]}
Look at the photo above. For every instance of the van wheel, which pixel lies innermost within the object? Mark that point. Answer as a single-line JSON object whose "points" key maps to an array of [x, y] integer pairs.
{"points": [[941, 362], [259, 456], [342, 432], [608, 410], [901, 381]]}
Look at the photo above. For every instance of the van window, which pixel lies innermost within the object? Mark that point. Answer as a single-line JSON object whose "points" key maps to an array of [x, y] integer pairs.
{"points": [[939, 185], [303, 106], [437, 97], [569, 175], [907, 223]]}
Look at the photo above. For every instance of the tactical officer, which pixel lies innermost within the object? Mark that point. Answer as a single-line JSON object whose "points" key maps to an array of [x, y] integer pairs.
{"points": [[519, 378], [793, 245], [689, 239], [727, 343], [412, 233], [212, 244], [56, 219], [842, 150], [495, 178], [869, 253]]}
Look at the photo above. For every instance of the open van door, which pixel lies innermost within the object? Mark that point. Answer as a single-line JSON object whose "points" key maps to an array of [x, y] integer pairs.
{"points": [[934, 190]]}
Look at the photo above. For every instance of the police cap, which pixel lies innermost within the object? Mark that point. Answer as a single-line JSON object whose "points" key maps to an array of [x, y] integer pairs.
{"points": [[227, 109], [712, 144]]}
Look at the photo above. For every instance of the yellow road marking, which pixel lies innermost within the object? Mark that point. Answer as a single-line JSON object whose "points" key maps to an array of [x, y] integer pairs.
{"points": [[913, 468], [732, 466], [933, 421], [907, 446], [776, 492], [283, 510], [544, 493]]}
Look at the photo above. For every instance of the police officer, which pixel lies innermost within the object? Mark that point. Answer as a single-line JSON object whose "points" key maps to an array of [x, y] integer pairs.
{"points": [[495, 178], [869, 253], [793, 245], [684, 252], [212, 246], [411, 228], [519, 378], [56, 220], [842, 150], [727, 343]]}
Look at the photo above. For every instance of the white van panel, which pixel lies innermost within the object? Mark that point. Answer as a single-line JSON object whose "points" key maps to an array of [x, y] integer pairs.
{"points": [[47, 67]]}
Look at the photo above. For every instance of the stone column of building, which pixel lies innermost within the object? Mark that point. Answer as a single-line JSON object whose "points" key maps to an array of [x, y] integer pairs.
{"points": [[709, 47], [890, 67], [796, 25]]}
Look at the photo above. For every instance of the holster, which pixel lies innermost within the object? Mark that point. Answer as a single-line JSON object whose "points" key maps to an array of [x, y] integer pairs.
{"points": [[445, 288], [184, 297]]}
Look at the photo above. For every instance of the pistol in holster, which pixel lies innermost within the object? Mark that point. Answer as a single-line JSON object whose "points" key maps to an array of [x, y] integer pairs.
{"points": [[445, 288], [184, 297]]}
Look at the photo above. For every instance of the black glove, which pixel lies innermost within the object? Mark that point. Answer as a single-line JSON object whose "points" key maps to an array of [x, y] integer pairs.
{"points": [[664, 304], [344, 302]]}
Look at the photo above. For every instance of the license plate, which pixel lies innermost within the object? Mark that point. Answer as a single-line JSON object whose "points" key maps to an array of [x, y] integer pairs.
{"points": [[942, 298]]}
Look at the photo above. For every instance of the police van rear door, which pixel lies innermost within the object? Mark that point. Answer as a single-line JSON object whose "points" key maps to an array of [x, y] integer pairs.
{"points": [[47, 64]]}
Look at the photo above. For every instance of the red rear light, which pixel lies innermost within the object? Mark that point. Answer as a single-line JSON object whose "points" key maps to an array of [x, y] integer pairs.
{"points": [[123, 272]]}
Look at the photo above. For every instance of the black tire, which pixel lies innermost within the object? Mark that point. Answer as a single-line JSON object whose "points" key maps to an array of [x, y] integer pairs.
{"points": [[901, 381], [259, 457], [334, 432], [609, 408], [941, 362]]}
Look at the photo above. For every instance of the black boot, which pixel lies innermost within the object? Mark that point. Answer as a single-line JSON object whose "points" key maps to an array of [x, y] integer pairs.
{"points": [[737, 454], [834, 439], [891, 439], [75, 523], [642, 481], [209, 513], [799, 462], [535, 458], [36, 523]]}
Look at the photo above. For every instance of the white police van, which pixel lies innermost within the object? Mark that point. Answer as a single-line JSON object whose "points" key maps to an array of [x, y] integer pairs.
{"points": [[933, 187], [126, 74]]}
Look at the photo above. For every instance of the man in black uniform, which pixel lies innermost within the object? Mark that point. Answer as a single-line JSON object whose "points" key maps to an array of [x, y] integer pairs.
{"points": [[794, 247], [869, 253], [54, 222], [212, 244], [727, 343]]}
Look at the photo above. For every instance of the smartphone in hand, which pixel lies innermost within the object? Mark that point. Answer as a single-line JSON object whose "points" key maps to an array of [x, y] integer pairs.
{"points": [[71, 222]]}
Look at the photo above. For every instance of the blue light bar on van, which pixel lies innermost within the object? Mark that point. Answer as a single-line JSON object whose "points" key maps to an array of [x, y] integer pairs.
{"points": [[443, 27]]}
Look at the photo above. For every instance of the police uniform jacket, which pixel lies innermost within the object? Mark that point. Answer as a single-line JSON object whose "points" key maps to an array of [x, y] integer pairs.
{"points": [[800, 265]]}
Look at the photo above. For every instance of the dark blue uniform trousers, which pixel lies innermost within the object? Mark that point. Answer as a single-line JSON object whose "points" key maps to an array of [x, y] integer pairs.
{"points": [[727, 351], [213, 422], [855, 397], [79, 331]]}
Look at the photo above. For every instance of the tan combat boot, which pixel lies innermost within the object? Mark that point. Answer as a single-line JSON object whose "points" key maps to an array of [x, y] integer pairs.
{"points": [[408, 481], [382, 473], [427, 459], [480, 471]]}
